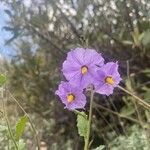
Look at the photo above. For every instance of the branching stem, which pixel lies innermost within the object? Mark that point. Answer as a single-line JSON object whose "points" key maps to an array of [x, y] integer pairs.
{"points": [[86, 146]]}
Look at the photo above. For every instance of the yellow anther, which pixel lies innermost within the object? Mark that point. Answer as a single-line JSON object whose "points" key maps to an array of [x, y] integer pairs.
{"points": [[84, 69], [109, 80], [70, 98]]}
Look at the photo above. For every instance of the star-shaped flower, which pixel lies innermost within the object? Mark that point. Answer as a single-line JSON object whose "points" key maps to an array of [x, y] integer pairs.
{"points": [[81, 65], [72, 97], [107, 78]]}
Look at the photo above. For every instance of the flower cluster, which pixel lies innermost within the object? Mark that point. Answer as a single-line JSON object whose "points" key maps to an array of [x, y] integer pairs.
{"points": [[84, 67]]}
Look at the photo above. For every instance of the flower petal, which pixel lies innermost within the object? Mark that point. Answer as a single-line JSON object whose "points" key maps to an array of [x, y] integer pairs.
{"points": [[92, 57], [78, 103], [105, 89], [66, 88]]}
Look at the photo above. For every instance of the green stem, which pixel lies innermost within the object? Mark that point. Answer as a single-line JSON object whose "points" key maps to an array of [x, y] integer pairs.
{"points": [[86, 146], [141, 102], [7, 122], [10, 133], [30, 121]]}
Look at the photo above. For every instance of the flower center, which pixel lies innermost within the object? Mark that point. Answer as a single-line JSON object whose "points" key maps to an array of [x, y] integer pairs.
{"points": [[84, 69], [70, 98], [109, 80]]}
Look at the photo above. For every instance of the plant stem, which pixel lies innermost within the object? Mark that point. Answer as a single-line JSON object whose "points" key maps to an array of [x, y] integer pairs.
{"points": [[7, 122], [30, 121], [10, 132], [141, 102], [86, 146]]}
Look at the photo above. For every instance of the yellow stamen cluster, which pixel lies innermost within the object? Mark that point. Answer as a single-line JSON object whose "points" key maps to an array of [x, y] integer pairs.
{"points": [[70, 98], [109, 80], [84, 69]]}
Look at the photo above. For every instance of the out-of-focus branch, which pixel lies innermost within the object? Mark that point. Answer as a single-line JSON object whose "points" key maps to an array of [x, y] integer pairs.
{"points": [[30, 26], [73, 28], [70, 23], [127, 16], [115, 113], [136, 8], [112, 37]]}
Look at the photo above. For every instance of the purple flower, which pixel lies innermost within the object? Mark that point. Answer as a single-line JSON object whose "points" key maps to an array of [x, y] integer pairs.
{"points": [[81, 65], [72, 97], [107, 78]]}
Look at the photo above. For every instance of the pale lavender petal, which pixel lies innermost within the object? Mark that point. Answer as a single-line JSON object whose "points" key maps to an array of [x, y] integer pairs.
{"points": [[101, 75], [86, 80], [76, 80], [78, 103], [94, 58], [69, 69], [71, 75], [79, 54], [111, 68], [105, 89], [117, 80], [70, 66], [71, 58]]}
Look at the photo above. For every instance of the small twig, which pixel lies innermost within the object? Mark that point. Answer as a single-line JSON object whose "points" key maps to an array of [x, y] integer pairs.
{"points": [[141, 102], [106, 121], [116, 113], [123, 129], [129, 87]]}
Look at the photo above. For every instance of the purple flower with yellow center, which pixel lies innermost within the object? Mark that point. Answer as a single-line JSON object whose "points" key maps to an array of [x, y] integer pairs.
{"points": [[72, 97], [107, 78], [81, 65]]}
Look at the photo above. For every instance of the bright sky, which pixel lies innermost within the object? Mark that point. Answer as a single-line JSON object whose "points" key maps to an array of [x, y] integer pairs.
{"points": [[4, 50]]}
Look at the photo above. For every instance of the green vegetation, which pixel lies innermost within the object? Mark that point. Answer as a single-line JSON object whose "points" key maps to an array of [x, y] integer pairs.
{"points": [[31, 114]]}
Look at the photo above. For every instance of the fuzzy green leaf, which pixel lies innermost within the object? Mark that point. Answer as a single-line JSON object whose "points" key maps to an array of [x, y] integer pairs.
{"points": [[82, 123], [2, 79], [21, 126]]}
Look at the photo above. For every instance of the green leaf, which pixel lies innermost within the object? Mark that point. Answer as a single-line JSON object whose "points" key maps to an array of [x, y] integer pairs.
{"points": [[21, 145], [135, 36], [146, 72], [2, 79], [82, 123], [146, 93], [128, 84], [20, 127], [127, 111]]}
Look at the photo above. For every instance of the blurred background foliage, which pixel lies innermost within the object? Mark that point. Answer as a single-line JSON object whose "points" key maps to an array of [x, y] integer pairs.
{"points": [[42, 32]]}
